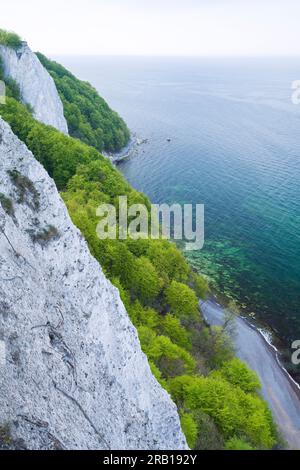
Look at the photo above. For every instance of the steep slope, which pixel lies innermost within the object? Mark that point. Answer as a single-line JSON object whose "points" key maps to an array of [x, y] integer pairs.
{"points": [[36, 86], [192, 362], [72, 374], [159, 289], [89, 117]]}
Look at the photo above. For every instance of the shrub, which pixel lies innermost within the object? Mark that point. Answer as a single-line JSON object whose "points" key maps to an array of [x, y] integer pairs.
{"points": [[189, 428], [58, 153], [13, 89], [237, 444], [44, 236], [5, 436], [10, 39], [26, 191], [7, 205], [157, 374]]}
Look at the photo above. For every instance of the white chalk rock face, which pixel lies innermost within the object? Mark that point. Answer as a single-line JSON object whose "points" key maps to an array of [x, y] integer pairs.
{"points": [[72, 373], [36, 85]]}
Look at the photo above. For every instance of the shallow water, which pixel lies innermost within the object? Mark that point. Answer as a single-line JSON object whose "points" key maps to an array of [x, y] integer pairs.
{"points": [[235, 146]]}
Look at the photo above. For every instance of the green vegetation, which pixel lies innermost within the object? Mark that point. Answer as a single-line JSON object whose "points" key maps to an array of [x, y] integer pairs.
{"points": [[189, 427], [182, 300], [59, 154], [11, 87], [5, 436], [45, 235], [217, 396], [25, 189], [234, 411], [237, 444], [237, 374], [89, 117], [7, 205], [9, 39]]}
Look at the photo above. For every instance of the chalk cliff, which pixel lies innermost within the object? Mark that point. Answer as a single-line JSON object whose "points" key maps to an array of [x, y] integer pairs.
{"points": [[72, 373], [36, 85]]}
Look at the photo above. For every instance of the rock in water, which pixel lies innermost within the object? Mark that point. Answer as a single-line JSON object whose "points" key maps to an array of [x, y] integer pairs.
{"points": [[72, 373], [36, 85]]}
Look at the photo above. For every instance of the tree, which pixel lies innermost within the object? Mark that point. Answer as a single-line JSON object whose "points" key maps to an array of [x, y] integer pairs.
{"points": [[220, 347], [230, 314], [168, 260], [237, 373], [189, 428], [182, 301], [10, 39], [152, 278], [89, 117], [200, 285], [141, 316], [167, 356], [171, 327], [145, 282], [233, 410]]}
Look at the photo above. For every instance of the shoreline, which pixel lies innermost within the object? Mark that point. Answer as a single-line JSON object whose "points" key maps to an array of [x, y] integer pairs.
{"points": [[272, 337], [130, 150], [267, 337], [274, 351], [278, 387], [270, 334], [281, 390]]}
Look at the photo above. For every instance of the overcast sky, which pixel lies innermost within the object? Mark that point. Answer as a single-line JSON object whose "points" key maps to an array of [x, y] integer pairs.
{"points": [[156, 27]]}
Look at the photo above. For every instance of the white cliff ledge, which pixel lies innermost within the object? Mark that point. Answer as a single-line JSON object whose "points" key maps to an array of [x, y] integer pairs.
{"points": [[36, 85], [73, 375]]}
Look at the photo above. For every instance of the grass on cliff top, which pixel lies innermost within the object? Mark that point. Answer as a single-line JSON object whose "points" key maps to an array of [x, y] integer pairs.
{"points": [[9, 39]]}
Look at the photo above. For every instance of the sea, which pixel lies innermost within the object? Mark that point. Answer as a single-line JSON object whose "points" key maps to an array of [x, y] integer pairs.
{"points": [[224, 133]]}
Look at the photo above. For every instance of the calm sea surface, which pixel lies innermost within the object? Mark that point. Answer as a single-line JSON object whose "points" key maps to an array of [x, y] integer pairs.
{"points": [[235, 147]]}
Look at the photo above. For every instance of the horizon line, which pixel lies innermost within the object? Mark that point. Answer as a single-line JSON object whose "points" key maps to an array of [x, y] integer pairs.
{"points": [[188, 56]]}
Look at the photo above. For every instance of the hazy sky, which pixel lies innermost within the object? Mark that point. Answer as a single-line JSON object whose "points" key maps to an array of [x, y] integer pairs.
{"points": [[156, 27]]}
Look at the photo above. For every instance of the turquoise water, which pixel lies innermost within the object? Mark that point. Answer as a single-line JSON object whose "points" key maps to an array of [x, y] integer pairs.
{"points": [[235, 147]]}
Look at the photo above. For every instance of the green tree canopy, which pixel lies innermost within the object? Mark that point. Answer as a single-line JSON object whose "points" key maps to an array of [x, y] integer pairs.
{"points": [[89, 117], [10, 39], [182, 300]]}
